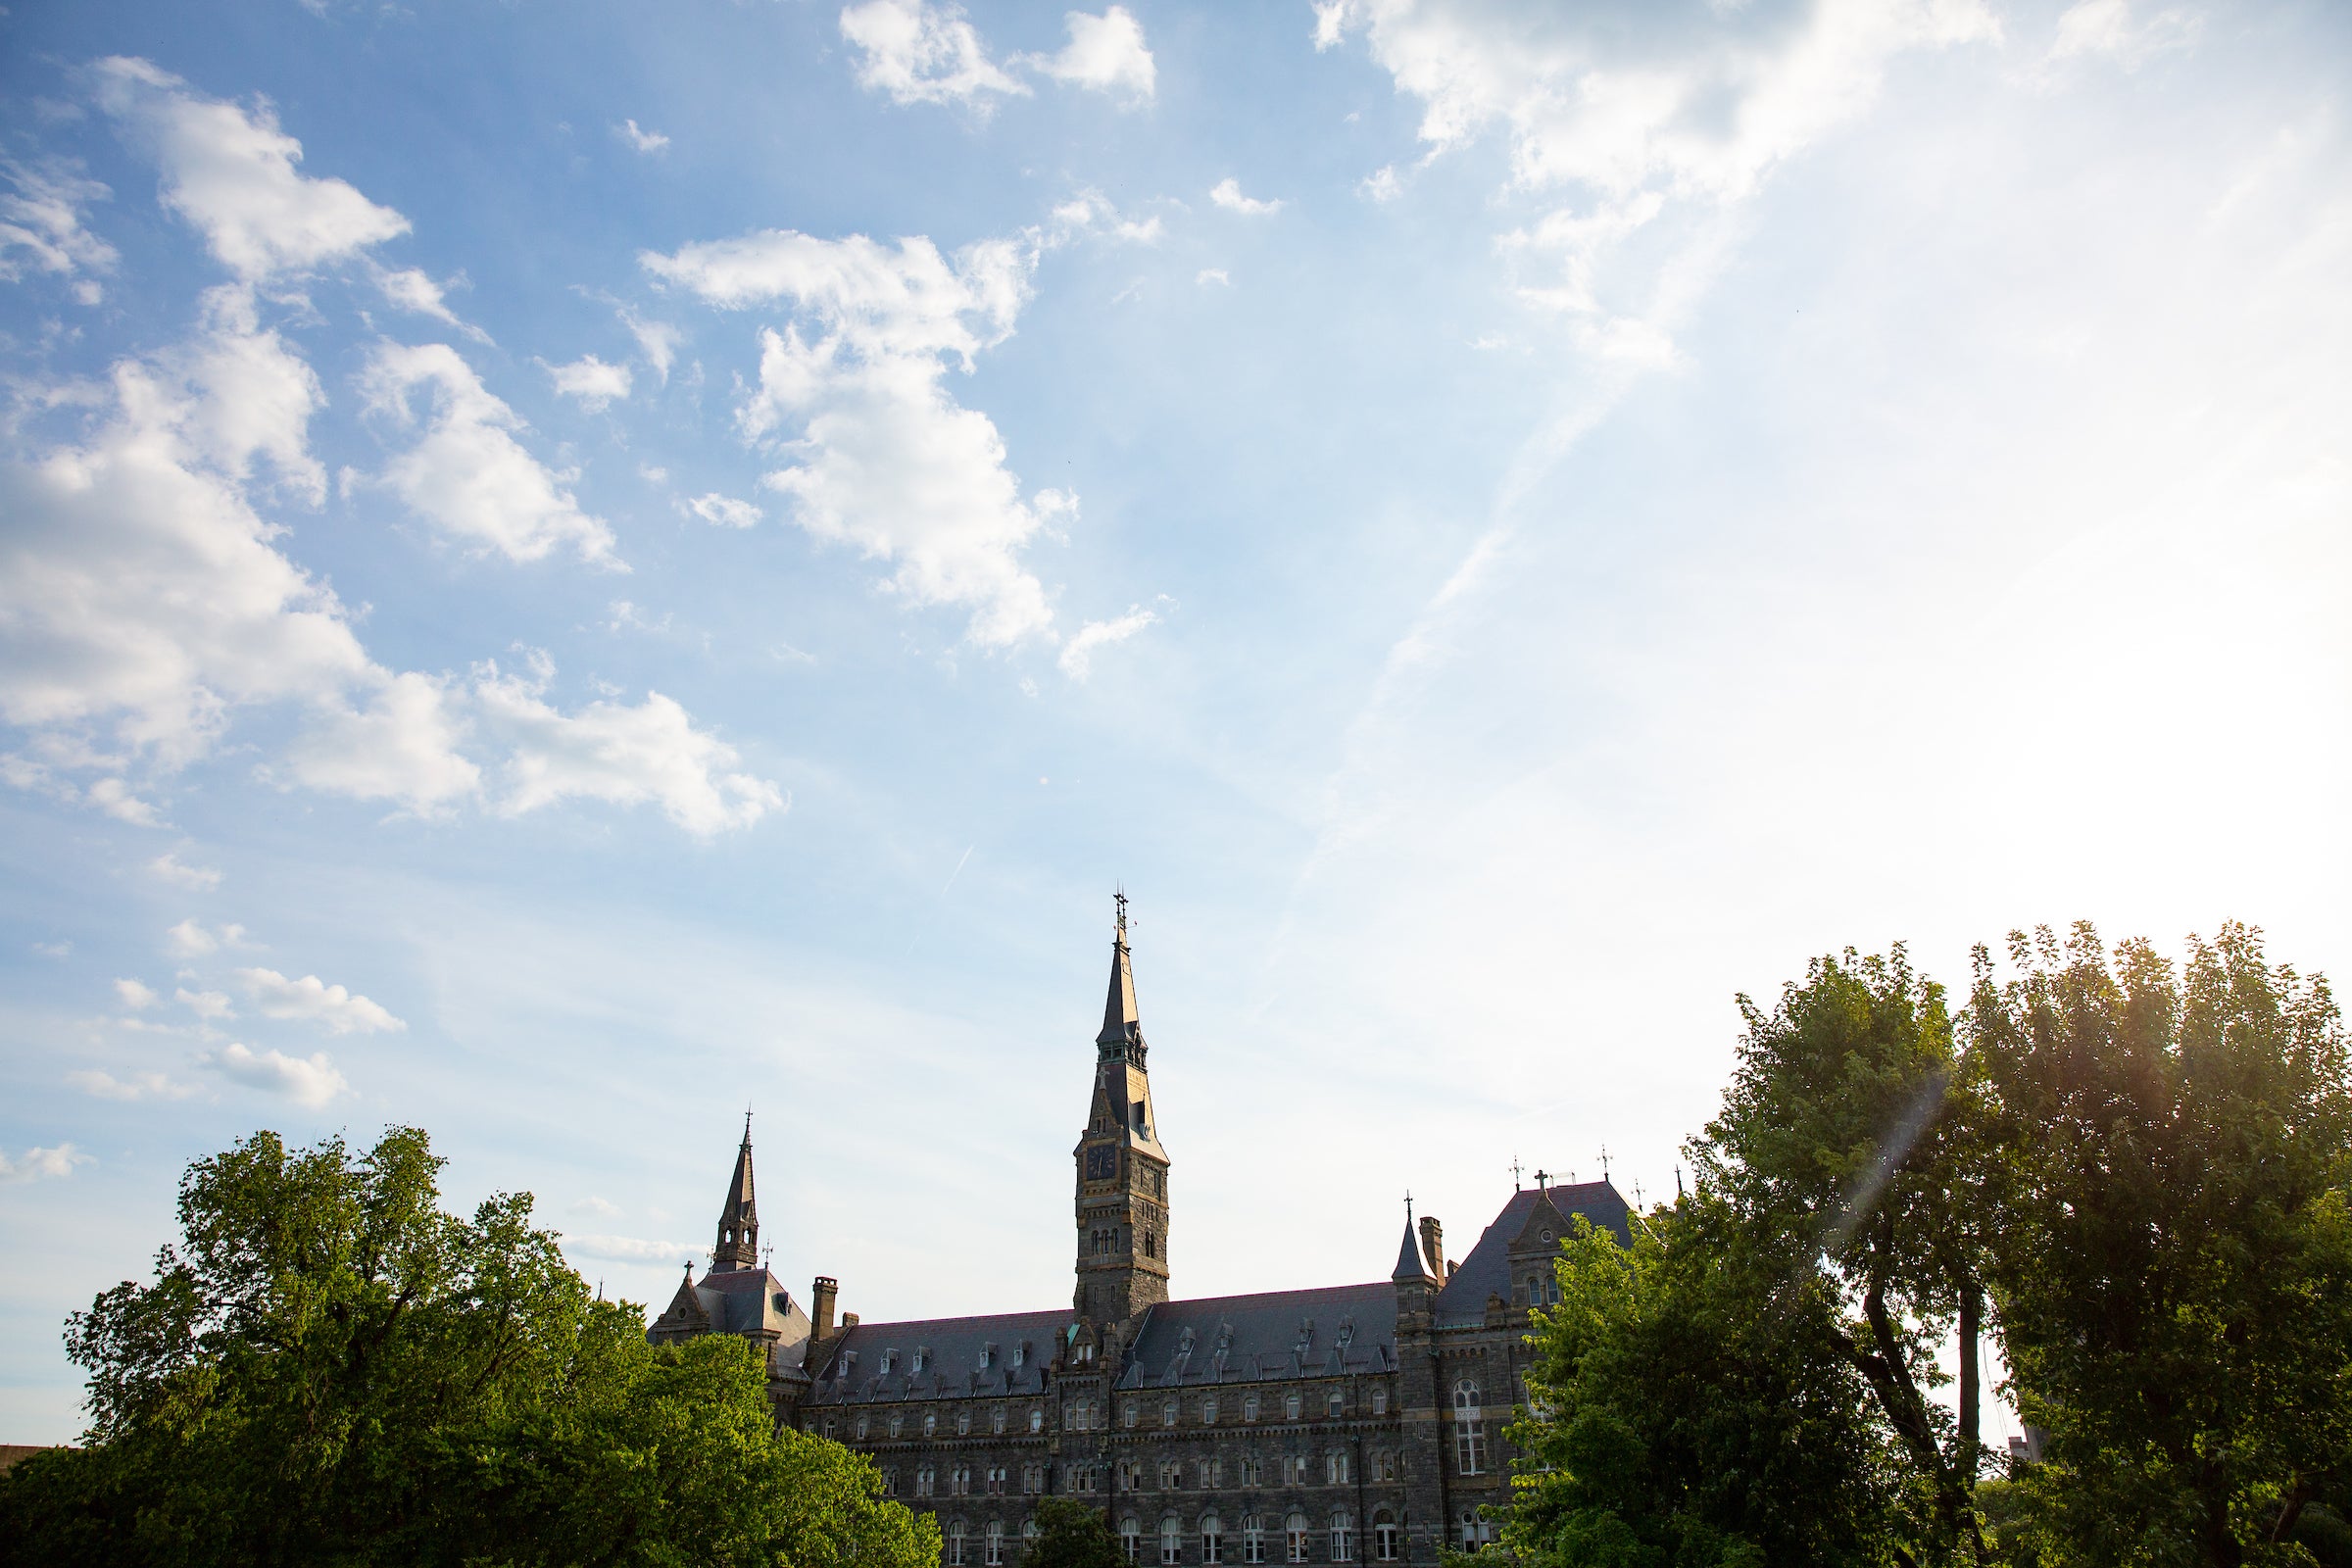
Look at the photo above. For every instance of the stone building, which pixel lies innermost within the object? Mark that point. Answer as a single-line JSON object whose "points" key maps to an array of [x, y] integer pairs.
{"points": [[1350, 1423]]}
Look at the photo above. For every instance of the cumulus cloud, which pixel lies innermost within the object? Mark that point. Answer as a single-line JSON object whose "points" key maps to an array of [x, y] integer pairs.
{"points": [[1105, 54], [42, 227], [168, 868], [1227, 194], [591, 380], [138, 1086], [1078, 653], [39, 1162], [467, 475], [206, 1004], [312, 1081], [883, 460], [190, 940], [630, 1249], [615, 751], [311, 1000], [136, 994], [924, 54], [231, 172], [645, 141], [725, 511]]}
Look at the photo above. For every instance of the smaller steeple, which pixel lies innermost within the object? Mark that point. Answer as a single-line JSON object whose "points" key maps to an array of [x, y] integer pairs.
{"points": [[1409, 1270], [1122, 1025], [738, 1244]]}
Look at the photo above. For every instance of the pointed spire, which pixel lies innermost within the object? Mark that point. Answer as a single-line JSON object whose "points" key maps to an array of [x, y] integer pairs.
{"points": [[738, 1244], [1408, 1268], [1121, 1024]]}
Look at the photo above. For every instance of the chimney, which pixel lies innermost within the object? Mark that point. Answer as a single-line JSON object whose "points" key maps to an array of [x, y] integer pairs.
{"points": [[849, 1321], [1433, 1246], [820, 1307]]}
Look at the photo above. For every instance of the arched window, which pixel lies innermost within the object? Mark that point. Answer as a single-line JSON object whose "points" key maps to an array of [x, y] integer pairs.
{"points": [[890, 1480], [1171, 1540], [963, 1423], [1337, 1403], [1383, 1536], [922, 1481], [1343, 1536], [1253, 1539], [1294, 1531], [1208, 1411], [1335, 1468], [996, 1420], [1213, 1539], [1249, 1406], [1475, 1532], [992, 1546], [1469, 1429], [1380, 1399], [1128, 1414], [1029, 1534], [930, 1423], [898, 1425], [858, 1426], [1037, 1418], [1290, 1405], [1167, 1412], [1131, 1537], [955, 1544]]}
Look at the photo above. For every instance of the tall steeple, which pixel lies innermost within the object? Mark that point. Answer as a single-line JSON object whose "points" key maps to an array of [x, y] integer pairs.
{"points": [[738, 1244], [1122, 1175]]}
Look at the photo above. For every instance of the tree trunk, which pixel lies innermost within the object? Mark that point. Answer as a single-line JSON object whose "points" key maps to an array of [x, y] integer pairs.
{"points": [[1972, 1310]]}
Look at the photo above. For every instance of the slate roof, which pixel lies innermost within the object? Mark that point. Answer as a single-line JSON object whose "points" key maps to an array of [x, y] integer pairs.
{"points": [[1279, 1334], [1487, 1270], [751, 1301], [951, 1346]]}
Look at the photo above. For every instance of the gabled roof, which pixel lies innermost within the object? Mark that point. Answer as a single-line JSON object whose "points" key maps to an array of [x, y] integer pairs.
{"points": [[853, 1361], [1278, 1334], [1487, 1270]]}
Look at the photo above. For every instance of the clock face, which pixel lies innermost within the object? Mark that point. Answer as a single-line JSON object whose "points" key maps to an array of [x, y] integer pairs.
{"points": [[1101, 1162]]}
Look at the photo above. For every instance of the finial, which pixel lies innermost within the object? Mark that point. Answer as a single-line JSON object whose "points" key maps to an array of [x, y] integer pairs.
{"points": [[1542, 1180], [1409, 1206], [747, 1123], [1514, 1173], [1678, 1181], [1604, 1163], [1119, 898]]}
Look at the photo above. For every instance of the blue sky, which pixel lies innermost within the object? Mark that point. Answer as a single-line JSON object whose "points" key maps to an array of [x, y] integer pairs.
{"points": [[571, 568]]}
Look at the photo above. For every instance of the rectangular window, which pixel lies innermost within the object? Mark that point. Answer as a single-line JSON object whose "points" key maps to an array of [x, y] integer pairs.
{"points": [[1297, 1540], [1342, 1538], [1470, 1446], [1208, 1411], [1171, 1542], [1336, 1404], [1131, 1539], [956, 1547], [1384, 1541], [1253, 1542], [1335, 1469], [1380, 1401]]}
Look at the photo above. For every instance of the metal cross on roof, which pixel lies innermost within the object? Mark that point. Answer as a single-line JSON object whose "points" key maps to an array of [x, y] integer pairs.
{"points": [[1514, 1173]]}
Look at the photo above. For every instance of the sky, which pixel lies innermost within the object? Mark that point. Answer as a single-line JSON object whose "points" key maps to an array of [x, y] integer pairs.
{"points": [[569, 570]]}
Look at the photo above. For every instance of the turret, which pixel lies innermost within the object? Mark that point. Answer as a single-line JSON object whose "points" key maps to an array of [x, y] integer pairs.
{"points": [[738, 1244]]}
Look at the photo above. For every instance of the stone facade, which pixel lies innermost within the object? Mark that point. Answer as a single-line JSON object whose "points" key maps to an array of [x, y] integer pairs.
{"points": [[1355, 1423]]}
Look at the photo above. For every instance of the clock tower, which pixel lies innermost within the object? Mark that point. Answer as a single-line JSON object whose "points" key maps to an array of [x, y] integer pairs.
{"points": [[1122, 1174]]}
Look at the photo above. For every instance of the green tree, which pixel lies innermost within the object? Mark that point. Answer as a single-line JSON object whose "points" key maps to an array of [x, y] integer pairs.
{"points": [[1072, 1535], [331, 1369], [1852, 1135], [2174, 1264], [1693, 1405]]}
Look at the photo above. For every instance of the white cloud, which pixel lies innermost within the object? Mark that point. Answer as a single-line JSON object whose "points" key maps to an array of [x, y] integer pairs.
{"points": [[1214, 274], [1381, 184], [1228, 194], [466, 474], [883, 461], [1104, 54], [630, 1249], [591, 380], [114, 796], [658, 341], [602, 1208], [206, 1004], [411, 289], [312, 1081], [611, 752], [311, 1000], [136, 994], [40, 1163], [231, 174], [725, 511], [189, 940], [645, 141], [138, 1086], [400, 743], [41, 224], [168, 868], [627, 616], [1078, 653], [54, 950], [2109, 29], [924, 54]]}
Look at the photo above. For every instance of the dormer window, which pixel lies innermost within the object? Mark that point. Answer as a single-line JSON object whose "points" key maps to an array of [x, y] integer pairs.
{"points": [[887, 1357], [1020, 1353], [988, 1357], [923, 1354]]}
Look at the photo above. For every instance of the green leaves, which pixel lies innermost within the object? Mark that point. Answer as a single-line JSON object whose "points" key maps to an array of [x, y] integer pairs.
{"points": [[331, 1369]]}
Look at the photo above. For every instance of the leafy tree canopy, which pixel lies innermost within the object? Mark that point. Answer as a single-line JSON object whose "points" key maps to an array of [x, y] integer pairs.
{"points": [[1072, 1535], [331, 1369]]}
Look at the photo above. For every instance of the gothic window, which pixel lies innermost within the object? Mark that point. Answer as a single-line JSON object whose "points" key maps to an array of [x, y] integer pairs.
{"points": [[1336, 1404], [1379, 1400], [1037, 1418], [1216, 1472], [960, 1481], [890, 1480], [897, 1423], [828, 1426], [1298, 1467], [1384, 1466], [1171, 1540], [1469, 1429], [1208, 1411], [1475, 1532], [1167, 1412], [996, 1420], [1128, 1415], [956, 1540], [1249, 1408], [1150, 1245], [930, 1423], [923, 1478], [992, 1550], [1343, 1536], [1033, 1479], [1213, 1539], [1291, 1405], [963, 1423], [1383, 1536], [1171, 1475], [998, 1475], [1253, 1539], [1335, 1468], [1249, 1469], [858, 1426], [1294, 1531], [1131, 1537]]}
